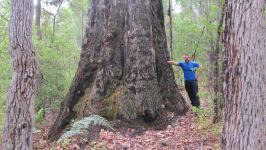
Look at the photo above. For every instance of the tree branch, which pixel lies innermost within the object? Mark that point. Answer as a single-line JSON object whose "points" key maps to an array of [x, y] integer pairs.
{"points": [[48, 12], [56, 2]]}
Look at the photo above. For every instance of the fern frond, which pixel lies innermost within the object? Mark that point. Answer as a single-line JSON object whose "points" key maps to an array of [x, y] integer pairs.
{"points": [[81, 127], [72, 133]]}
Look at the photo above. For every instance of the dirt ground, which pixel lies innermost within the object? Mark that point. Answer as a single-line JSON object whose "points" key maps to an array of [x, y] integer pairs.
{"points": [[192, 131], [183, 134]]}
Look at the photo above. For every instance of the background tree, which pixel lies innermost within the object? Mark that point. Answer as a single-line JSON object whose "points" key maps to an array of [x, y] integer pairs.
{"points": [[170, 28], [122, 69], [57, 5], [38, 12], [214, 27], [217, 73], [80, 11], [57, 61], [58, 56], [20, 108], [244, 84]]}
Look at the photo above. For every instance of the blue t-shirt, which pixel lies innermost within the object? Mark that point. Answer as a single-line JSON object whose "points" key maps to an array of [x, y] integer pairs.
{"points": [[189, 74]]}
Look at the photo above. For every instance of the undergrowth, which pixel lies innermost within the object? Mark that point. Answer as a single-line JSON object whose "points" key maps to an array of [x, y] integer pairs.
{"points": [[81, 127]]}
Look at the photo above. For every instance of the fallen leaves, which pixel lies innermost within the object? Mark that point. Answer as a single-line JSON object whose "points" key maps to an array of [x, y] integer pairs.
{"points": [[181, 135]]}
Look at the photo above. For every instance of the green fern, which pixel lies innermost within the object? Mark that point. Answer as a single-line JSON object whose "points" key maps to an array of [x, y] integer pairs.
{"points": [[81, 127], [39, 115]]}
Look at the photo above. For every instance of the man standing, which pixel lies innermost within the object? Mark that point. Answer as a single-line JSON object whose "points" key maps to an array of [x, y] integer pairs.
{"points": [[191, 83]]}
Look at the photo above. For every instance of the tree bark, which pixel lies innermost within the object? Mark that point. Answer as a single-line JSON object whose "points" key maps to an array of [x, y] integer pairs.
{"points": [[217, 84], [171, 28], [20, 100], [122, 70], [244, 84], [38, 12]]}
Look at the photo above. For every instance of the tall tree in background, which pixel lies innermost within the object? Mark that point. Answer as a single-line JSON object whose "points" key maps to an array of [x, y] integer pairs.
{"points": [[170, 29], [244, 90], [38, 12], [79, 7], [122, 70], [214, 42], [217, 84], [20, 109], [57, 4]]}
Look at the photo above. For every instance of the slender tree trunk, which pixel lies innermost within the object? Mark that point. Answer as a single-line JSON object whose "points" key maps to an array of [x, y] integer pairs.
{"points": [[122, 70], [205, 11], [20, 109], [82, 25], [38, 12], [54, 20], [217, 84], [54, 23], [171, 28], [244, 83]]}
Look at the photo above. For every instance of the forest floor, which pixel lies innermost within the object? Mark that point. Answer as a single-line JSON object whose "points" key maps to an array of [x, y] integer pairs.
{"points": [[192, 131]]}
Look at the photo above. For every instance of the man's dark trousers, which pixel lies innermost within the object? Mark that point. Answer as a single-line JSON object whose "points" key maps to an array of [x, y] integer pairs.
{"points": [[192, 90]]}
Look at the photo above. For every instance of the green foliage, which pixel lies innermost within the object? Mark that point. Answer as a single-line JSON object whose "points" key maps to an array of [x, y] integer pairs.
{"points": [[81, 127], [39, 115], [205, 115], [190, 20], [5, 60], [58, 55], [202, 116], [79, 8]]}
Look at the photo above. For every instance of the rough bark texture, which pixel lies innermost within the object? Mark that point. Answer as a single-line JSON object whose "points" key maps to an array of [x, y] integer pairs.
{"points": [[20, 110], [217, 84], [244, 85], [122, 70]]}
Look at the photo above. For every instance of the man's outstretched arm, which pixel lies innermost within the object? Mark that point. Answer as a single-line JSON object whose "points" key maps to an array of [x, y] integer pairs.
{"points": [[197, 65], [171, 62]]}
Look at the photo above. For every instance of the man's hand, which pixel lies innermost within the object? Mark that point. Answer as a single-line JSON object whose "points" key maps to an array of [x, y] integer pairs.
{"points": [[193, 69], [172, 62]]}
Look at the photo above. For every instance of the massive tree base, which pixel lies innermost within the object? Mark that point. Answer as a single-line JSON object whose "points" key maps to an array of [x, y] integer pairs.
{"points": [[123, 70]]}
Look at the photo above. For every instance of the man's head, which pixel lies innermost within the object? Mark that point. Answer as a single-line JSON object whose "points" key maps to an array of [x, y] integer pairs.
{"points": [[186, 58]]}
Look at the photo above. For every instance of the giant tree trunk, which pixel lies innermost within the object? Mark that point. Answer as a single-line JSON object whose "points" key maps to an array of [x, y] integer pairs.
{"points": [[122, 70], [244, 85], [20, 110]]}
